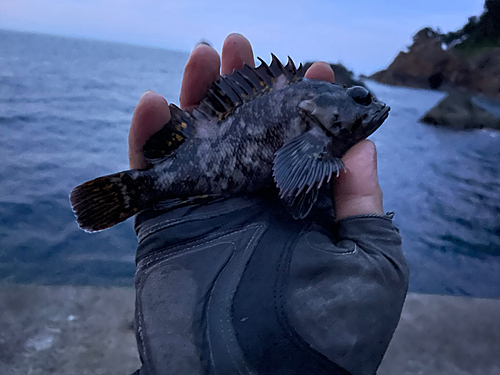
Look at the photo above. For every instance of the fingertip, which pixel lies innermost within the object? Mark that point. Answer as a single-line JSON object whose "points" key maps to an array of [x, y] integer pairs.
{"points": [[201, 70], [236, 51], [201, 55], [150, 115], [357, 190], [321, 70]]}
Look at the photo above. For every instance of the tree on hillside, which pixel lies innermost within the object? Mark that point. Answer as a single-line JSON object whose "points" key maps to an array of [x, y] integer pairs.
{"points": [[482, 31], [490, 19]]}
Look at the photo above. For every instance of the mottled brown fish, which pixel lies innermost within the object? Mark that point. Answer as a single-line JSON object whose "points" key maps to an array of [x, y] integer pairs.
{"points": [[253, 126]]}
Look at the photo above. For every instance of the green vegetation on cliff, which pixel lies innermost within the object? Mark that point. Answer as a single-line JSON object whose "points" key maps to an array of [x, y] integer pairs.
{"points": [[479, 33]]}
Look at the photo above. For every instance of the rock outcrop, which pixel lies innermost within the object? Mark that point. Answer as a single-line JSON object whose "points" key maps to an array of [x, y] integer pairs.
{"points": [[457, 111], [428, 65], [487, 64]]}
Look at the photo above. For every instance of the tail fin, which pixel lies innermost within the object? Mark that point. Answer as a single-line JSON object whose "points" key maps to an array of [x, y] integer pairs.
{"points": [[106, 201]]}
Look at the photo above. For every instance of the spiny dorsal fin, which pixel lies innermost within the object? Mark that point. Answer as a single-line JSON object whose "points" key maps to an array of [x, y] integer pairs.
{"points": [[276, 67], [221, 99], [245, 84], [165, 141], [265, 73], [290, 70]]}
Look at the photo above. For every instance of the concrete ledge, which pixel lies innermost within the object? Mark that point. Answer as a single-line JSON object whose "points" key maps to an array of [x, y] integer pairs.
{"points": [[89, 330], [67, 330], [445, 335]]}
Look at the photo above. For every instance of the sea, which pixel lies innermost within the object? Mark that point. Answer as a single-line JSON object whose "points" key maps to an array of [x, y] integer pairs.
{"points": [[65, 110]]}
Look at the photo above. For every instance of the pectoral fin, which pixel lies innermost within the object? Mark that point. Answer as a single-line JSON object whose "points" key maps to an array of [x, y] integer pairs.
{"points": [[301, 167]]}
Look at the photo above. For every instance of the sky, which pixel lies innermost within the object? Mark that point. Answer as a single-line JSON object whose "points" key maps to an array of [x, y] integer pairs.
{"points": [[363, 35]]}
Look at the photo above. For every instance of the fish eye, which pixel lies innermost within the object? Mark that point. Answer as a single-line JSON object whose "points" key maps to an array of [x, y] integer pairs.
{"points": [[360, 95]]}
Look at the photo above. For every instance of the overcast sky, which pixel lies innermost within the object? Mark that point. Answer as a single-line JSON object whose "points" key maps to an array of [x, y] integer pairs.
{"points": [[364, 35]]}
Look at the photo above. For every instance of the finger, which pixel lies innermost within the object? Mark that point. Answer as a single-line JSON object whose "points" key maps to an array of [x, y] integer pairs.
{"points": [[357, 190], [321, 70], [202, 68], [236, 51], [150, 114]]}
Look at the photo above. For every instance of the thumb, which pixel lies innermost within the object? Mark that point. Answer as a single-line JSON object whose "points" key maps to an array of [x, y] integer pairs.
{"points": [[356, 190]]}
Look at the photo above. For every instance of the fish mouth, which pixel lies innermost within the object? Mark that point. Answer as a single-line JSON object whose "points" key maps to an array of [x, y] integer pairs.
{"points": [[378, 119]]}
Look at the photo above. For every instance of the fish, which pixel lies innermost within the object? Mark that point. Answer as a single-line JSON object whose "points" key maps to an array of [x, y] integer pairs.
{"points": [[254, 128]]}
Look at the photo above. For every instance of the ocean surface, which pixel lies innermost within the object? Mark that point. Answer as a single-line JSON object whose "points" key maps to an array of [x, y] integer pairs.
{"points": [[65, 109]]}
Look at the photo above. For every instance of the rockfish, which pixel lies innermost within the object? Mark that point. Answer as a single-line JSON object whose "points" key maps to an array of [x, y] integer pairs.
{"points": [[253, 127]]}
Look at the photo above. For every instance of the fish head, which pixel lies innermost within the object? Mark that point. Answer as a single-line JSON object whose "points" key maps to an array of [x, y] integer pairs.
{"points": [[347, 115]]}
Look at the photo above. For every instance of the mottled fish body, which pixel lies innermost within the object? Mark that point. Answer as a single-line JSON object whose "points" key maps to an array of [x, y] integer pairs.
{"points": [[253, 126]]}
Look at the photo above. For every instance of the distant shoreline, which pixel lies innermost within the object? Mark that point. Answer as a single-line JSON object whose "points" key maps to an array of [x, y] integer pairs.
{"points": [[89, 39]]}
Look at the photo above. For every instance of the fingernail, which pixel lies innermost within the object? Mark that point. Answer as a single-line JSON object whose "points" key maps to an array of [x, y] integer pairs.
{"points": [[147, 92], [203, 42]]}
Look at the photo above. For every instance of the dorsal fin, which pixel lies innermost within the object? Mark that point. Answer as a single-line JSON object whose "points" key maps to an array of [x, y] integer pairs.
{"points": [[265, 73], [276, 67], [221, 99], [245, 84], [165, 141]]}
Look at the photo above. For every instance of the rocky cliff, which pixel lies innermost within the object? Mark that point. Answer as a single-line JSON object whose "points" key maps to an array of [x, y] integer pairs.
{"points": [[428, 65]]}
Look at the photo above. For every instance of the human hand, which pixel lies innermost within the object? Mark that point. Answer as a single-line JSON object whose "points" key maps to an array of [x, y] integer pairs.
{"points": [[357, 190], [233, 263]]}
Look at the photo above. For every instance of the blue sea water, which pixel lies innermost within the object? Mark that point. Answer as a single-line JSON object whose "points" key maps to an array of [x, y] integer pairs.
{"points": [[65, 109]]}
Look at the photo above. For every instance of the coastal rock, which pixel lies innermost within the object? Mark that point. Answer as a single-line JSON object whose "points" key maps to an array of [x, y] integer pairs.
{"points": [[487, 63], [457, 111], [428, 65]]}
